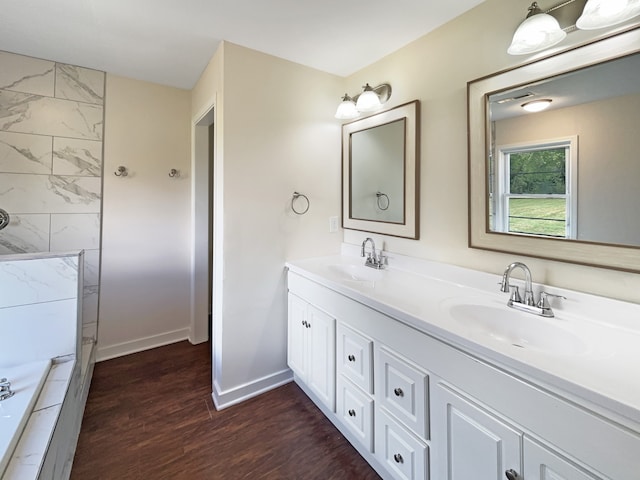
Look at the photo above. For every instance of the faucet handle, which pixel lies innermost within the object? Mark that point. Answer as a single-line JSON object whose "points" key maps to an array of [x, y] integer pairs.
{"points": [[515, 294], [544, 302]]}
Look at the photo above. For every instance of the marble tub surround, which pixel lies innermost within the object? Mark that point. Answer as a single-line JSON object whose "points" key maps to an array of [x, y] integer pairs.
{"points": [[26, 382], [40, 298], [419, 293], [51, 143], [27, 459], [40, 306]]}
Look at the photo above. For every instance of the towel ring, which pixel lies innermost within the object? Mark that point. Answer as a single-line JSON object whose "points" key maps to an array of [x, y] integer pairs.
{"points": [[380, 195], [296, 195]]}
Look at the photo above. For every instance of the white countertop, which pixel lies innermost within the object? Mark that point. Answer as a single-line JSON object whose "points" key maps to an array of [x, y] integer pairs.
{"points": [[600, 366]]}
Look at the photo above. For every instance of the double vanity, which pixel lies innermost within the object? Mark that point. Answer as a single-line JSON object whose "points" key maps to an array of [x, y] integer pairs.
{"points": [[430, 375]]}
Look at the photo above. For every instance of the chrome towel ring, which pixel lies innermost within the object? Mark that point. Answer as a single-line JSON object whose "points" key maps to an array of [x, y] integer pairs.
{"points": [[295, 197], [380, 202], [4, 218]]}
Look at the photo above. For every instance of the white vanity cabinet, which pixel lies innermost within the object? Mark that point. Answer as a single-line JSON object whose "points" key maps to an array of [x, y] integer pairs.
{"points": [[419, 406], [311, 348], [475, 443]]}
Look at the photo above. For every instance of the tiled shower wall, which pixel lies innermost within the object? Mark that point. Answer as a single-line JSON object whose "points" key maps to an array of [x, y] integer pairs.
{"points": [[51, 129]]}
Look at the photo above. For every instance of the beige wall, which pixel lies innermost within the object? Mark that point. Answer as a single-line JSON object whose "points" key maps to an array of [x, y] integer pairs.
{"points": [[275, 135], [144, 298], [608, 167], [435, 69]]}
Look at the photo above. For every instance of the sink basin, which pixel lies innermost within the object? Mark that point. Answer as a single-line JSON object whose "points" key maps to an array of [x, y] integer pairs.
{"points": [[355, 273], [521, 330]]}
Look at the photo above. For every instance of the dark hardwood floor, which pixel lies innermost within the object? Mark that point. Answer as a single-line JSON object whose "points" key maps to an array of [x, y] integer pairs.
{"points": [[150, 416]]}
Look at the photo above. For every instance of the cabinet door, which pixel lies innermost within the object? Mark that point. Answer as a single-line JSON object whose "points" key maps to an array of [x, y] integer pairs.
{"points": [[541, 463], [468, 442], [321, 376], [297, 336]]}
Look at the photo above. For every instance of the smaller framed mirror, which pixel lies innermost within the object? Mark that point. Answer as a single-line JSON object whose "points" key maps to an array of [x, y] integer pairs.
{"points": [[380, 178]]}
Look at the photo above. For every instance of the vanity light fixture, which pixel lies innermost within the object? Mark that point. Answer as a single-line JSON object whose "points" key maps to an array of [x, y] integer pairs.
{"points": [[538, 32], [371, 98], [347, 109], [368, 101], [537, 105], [606, 13], [544, 29]]}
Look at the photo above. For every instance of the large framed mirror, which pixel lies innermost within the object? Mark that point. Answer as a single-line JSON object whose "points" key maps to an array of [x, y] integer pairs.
{"points": [[561, 183], [380, 172]]}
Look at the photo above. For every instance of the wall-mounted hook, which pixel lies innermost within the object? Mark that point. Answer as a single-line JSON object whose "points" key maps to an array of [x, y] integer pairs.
{"points": [[173, 173], [121, 171]]}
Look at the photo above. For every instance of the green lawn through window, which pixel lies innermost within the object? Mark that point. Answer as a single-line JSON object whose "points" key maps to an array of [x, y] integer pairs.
{"points": [[538, 216]]}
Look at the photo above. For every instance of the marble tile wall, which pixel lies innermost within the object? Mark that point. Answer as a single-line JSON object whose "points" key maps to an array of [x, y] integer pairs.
{"points": [[51, 129]]}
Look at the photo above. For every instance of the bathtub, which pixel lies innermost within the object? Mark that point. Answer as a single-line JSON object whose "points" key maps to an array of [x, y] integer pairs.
{"points": [[26, 382]]}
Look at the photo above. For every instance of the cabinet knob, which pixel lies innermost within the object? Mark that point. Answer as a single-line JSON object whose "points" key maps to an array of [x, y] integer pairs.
{"points": [[352, 413], [512, 474], [398, 392], [352, 358], [398, 458]]}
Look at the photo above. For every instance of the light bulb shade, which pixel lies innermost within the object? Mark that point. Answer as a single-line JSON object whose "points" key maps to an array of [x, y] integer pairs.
{"points": [[536, 33], [605, 13], [368, 100], [347, 109]]}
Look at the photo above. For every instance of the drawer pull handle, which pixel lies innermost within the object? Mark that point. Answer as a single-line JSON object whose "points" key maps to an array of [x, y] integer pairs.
{"points": [[512, 474], [352, 358], [398, 458], [398, 392], [352, 413]]}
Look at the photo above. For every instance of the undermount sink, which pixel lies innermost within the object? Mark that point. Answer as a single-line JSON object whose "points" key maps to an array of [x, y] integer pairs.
{"points": [[521, 330], [356, 273]]}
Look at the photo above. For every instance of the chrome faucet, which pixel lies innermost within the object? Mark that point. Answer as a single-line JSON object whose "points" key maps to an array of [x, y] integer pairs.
{"points": [[374, 260], [5, 389], [528, 287], [528, 304]]}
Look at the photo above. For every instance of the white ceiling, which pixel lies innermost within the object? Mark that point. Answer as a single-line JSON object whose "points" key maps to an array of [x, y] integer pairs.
{"points": [[171, 41]]}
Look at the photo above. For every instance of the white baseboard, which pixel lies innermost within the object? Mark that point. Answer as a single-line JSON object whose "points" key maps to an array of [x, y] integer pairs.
{"points": [[107, 352], [228, 398]]}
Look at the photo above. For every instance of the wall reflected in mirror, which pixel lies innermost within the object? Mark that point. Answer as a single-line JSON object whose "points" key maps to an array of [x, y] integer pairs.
{"points": [[572, 170], [378, 172]]}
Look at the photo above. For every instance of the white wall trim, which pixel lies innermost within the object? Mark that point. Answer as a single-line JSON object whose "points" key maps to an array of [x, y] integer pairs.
{"points": [[120, 349], [225, 399]]}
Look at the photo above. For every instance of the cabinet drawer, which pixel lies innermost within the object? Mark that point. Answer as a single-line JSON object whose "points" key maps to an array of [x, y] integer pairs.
{"points": [[355, 352], [403, 390], [355, 409], [402, 454]]}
